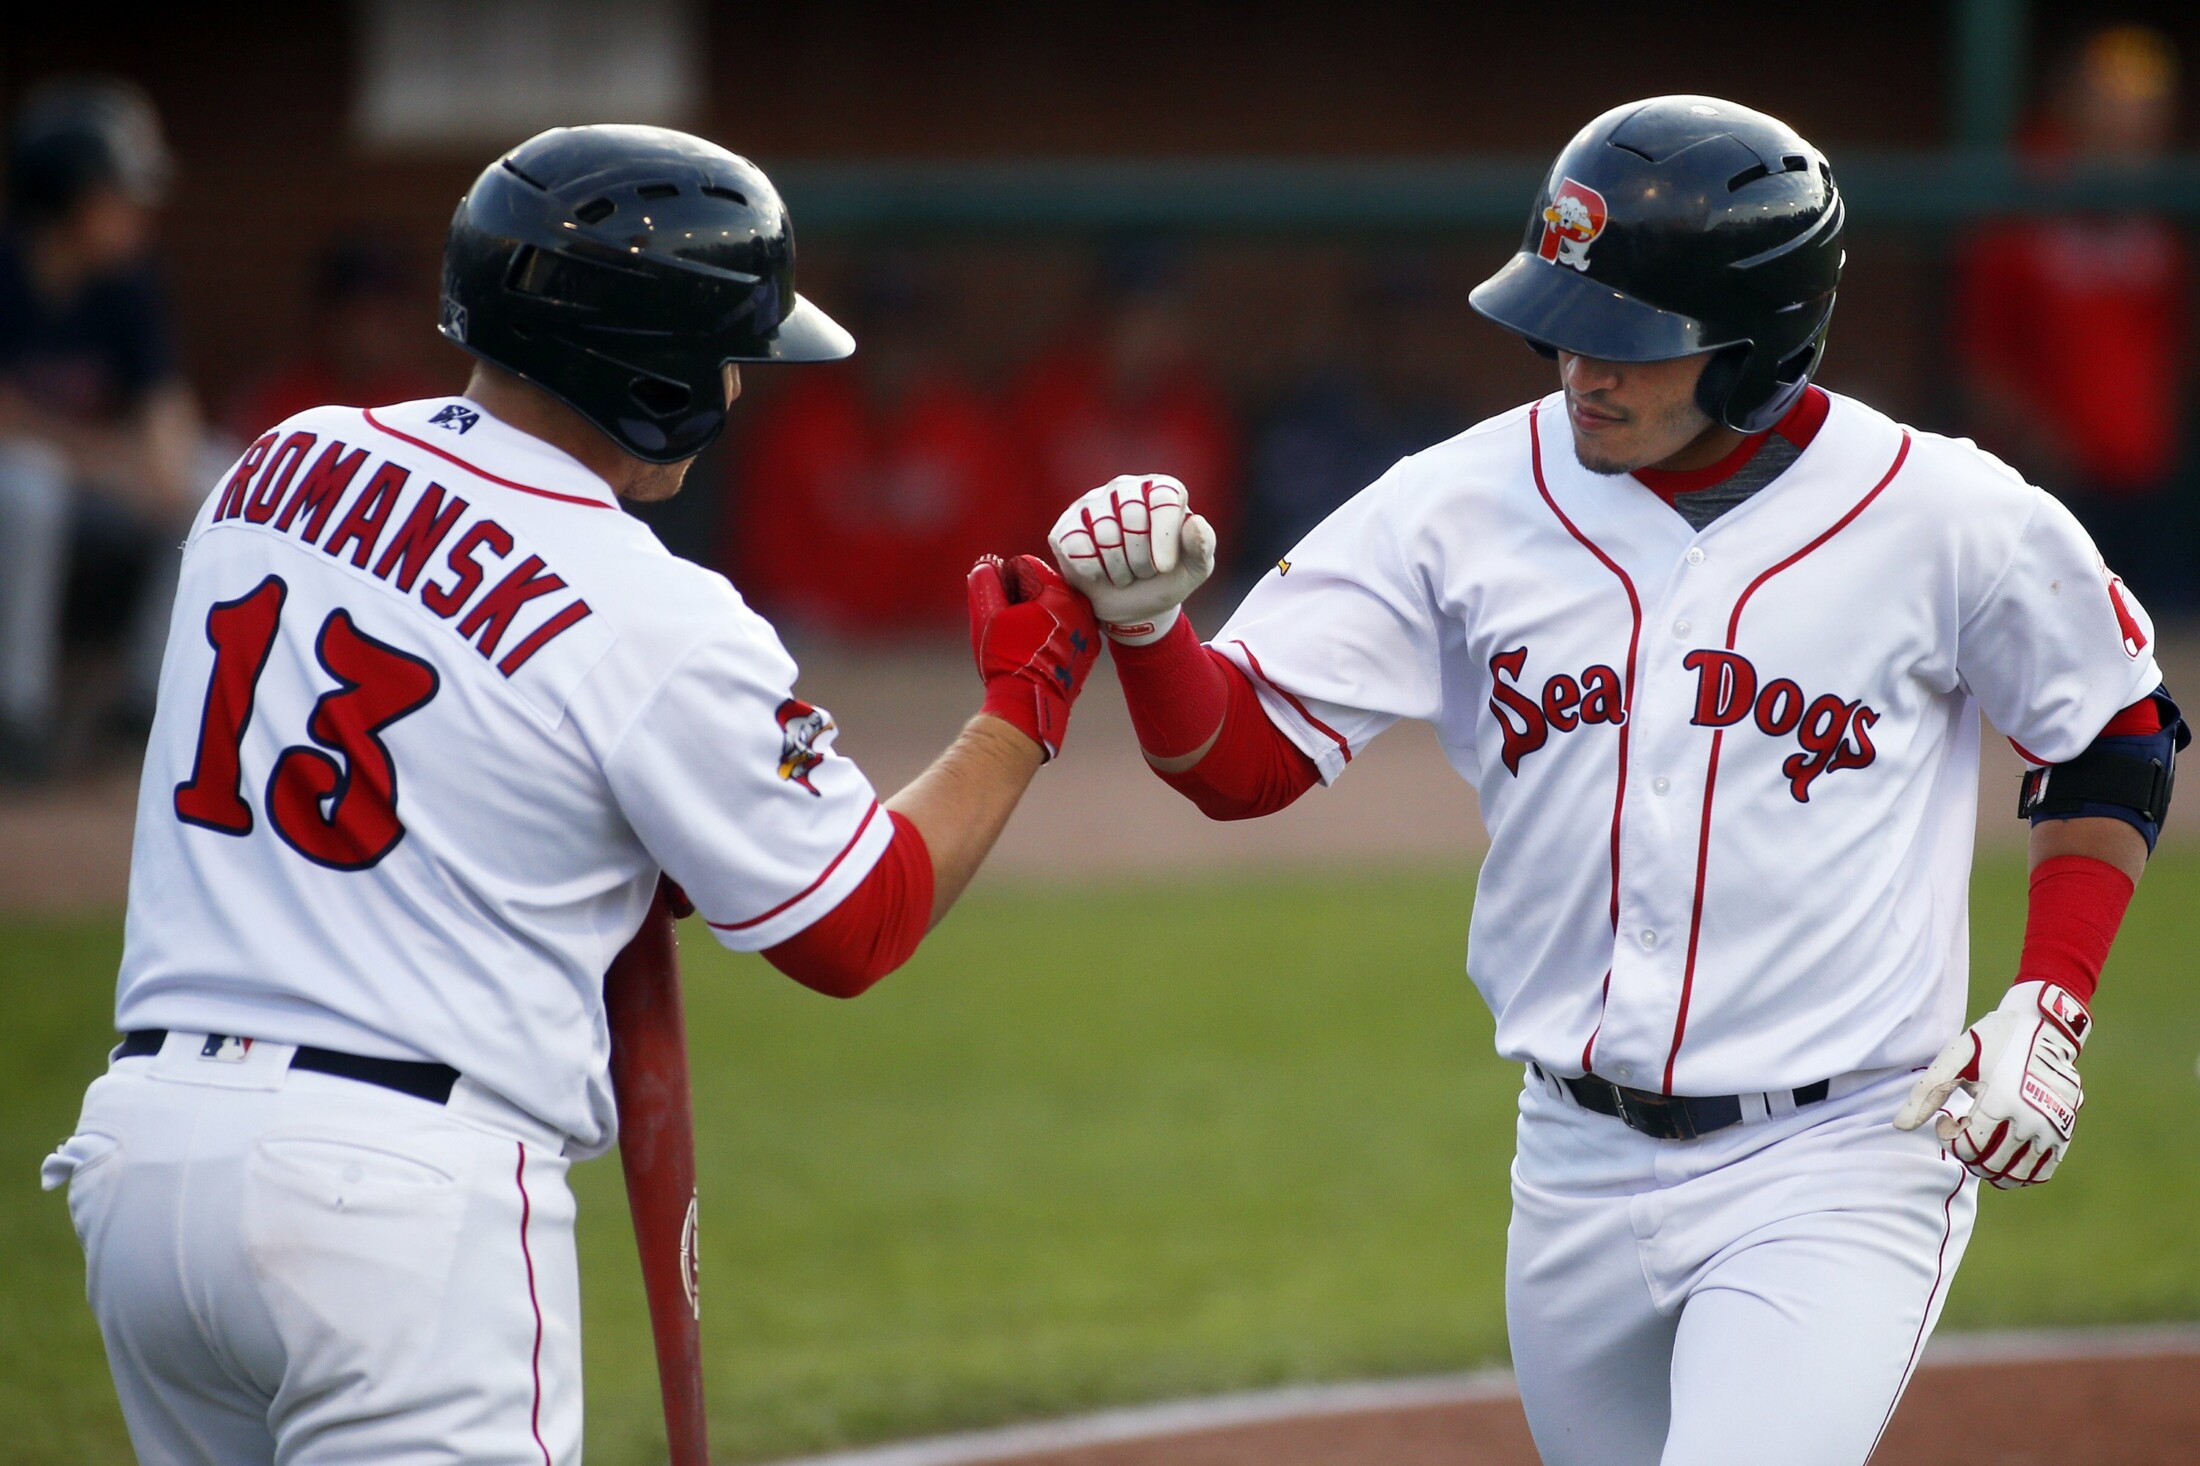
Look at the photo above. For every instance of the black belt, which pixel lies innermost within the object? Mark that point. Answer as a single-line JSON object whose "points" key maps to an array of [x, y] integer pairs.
{"points": [[1668, 1116], [423, 1080]]}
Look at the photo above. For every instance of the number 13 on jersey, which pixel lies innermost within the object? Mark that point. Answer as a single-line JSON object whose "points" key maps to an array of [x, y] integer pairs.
{"points": [[336, 808]]}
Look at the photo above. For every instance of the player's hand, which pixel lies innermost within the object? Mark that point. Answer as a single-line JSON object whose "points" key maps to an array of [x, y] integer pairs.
{"points": [[1134, 546], [1035, 640], [2020, 1065]]}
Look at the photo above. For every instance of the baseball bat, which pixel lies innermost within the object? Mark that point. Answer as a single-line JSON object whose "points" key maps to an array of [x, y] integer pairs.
{"points": [[649, 1076]]}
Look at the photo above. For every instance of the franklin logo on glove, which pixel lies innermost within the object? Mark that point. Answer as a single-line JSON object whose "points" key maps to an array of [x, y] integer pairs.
{"points": [[2019, 1064], [1136, 550]]}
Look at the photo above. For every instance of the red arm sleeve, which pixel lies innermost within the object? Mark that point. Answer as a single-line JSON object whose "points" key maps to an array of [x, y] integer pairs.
{"points": [[2076, 903], [1180, 694], [2075, 907], [874, 928]]}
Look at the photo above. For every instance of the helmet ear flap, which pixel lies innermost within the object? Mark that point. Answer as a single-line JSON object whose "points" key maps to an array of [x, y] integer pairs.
{"points": [[1721, 375], [1769, 390]]}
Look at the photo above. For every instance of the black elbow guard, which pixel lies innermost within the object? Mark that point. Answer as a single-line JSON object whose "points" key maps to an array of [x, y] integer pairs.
{"points": [[2122, 776]]}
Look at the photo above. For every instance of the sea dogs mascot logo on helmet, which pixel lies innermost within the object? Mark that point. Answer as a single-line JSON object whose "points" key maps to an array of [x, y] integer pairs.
{"points": [[804, 732], [1571, 222]]}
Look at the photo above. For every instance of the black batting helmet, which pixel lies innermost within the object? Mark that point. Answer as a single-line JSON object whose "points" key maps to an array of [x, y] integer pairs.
{"points": [[1677, 226], [76, 134], [620, 269]]}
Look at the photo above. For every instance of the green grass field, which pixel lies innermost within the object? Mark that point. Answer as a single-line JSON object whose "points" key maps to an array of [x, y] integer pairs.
{"points": [[1116, 1144]]}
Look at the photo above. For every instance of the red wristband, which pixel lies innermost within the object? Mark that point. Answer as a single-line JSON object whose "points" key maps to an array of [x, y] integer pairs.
{"points": [[2076, 905]]}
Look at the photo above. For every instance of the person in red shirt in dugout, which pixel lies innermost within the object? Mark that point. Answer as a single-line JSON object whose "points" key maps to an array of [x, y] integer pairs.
{"points": [[362, 323], [1126, 392], [2074, 331], [862, 495]]}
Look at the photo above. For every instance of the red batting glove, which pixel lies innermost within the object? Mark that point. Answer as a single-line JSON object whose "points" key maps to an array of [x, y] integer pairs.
{"points": [[1035, 640]]}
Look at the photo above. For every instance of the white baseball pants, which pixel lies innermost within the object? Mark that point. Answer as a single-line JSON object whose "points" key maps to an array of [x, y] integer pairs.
{"points": [[1756, 1295], [299, 1268]]}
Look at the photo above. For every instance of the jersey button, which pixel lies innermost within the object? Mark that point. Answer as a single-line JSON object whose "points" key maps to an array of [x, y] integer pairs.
{"points": [[1682, 627], [1695, 554], [1648, 938], [1660, 784]]}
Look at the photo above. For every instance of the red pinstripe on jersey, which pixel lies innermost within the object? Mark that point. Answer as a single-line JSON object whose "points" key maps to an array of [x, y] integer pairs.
{"points": [[1711, 772], [823, 876], [481, 473], [1343, 746], [1627, 695]]}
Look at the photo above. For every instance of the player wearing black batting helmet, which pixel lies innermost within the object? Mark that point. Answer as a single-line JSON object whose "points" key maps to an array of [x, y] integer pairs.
{"points": [[1752, 1120], [620, 269], [1677, 226], [533, 714]]}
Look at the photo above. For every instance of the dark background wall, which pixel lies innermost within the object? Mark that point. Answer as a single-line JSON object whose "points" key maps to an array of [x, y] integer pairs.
{"points": [[256, 100]]}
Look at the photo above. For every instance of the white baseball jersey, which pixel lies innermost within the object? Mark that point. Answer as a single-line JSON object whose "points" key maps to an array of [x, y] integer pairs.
{"points": [[434, 714], [1730, 776]]}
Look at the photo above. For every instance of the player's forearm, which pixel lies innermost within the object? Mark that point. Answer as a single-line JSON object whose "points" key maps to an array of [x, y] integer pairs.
{"points": [[948, 818], [2110, 841], [963, 801]]}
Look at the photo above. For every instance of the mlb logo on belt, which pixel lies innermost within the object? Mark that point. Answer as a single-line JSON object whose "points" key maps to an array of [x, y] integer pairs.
{"points": [[1571, 222], [225, 1048]]}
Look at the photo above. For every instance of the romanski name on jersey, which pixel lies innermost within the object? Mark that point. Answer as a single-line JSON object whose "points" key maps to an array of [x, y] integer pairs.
{"points": [[393, 523]]}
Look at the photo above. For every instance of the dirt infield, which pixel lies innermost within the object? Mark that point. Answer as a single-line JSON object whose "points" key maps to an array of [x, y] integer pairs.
{"points": [[1099, 812], [2114, 1398]]}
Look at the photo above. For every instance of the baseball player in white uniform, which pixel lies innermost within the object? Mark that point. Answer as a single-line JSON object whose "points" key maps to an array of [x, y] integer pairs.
{"points": [[1712, 644], [435, 716]]}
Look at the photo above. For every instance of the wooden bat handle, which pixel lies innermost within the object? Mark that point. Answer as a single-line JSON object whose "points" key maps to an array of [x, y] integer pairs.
{"points": [[649, 1075]]}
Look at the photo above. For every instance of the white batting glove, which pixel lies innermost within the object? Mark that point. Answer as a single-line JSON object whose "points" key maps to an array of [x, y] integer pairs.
{"points": [[2020, 1065], [1136, 550]]}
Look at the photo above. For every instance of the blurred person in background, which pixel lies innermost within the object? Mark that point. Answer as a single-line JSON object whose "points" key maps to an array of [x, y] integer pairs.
{"points": [[862, 496], [363, 343], [2075, 331], [1126, 391], [1385, 388], [100, 440]]}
